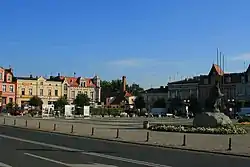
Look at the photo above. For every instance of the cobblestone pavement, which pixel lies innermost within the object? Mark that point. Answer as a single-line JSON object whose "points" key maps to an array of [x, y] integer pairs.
{"points": [[207, 142]]}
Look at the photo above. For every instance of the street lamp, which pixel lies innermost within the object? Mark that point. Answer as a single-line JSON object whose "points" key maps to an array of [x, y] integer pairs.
{"points": [[186, 102], [231, 103]]}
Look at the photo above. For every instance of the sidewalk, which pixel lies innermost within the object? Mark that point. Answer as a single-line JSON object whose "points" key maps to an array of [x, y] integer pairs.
{"points": [[204, 142]]}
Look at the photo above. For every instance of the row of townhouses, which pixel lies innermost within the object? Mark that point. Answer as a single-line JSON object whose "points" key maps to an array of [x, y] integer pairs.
{"points": [[234, 86], [19, 90]]}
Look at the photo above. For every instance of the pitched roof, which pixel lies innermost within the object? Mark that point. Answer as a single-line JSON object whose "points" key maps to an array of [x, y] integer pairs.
{"points": [[195, 79], [119, 98], [157, 90], [25, 78], [217, 69], [74, 81]]}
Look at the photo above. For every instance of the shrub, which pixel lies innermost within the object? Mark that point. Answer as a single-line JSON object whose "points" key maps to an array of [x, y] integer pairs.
{"points": [[191, 129], [244, 119]]}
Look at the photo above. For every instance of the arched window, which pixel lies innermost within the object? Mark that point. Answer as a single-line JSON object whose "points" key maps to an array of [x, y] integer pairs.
{"points": [[65, 87]]}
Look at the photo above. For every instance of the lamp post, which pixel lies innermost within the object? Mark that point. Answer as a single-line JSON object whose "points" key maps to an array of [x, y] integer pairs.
{"points": [[186, 103], [231, 105]]}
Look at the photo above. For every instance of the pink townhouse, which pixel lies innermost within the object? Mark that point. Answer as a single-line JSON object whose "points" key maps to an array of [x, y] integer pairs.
{"points": [[7, 87]]}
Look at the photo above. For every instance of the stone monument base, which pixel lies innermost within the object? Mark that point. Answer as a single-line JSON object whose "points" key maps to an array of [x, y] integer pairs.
{"points": [[211, 119]]}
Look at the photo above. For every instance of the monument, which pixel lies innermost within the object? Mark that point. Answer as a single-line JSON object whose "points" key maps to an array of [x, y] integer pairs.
{"points": [[213, 117]]}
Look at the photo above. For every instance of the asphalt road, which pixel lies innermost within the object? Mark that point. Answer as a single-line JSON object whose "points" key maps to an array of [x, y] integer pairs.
{"points": [[23, 147]]}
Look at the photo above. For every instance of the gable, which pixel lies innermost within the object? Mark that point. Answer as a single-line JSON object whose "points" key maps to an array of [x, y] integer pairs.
{"points": [[42, 79], [216, 70]]}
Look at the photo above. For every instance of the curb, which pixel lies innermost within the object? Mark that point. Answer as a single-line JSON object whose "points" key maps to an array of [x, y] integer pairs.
{"points": [[135, 143]]}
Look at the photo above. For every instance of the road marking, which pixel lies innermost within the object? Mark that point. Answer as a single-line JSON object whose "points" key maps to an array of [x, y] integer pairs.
{"points": [[4, 165], [66, 164], [86, 153]]}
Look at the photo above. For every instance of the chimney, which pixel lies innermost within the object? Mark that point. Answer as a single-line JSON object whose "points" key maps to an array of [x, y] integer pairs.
{"points": [[31, 76], [58, 74], [124, 83]]}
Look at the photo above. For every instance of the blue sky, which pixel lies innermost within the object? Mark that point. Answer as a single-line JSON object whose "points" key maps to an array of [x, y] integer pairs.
{"points": [[146, 40]]}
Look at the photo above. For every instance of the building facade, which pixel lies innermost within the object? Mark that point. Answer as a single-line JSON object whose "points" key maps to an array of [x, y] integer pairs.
{"points": [[49, 90], [228, 83], [153, 94], [184, 89], [7, 87], [72, 86]]}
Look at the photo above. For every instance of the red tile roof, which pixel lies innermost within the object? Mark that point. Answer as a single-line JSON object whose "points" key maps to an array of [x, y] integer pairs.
{"points": [[74, 81], [218, 69]]}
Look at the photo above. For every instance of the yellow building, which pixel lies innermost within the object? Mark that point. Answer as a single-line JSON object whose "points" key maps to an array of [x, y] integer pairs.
{"points": [[49, 90]]}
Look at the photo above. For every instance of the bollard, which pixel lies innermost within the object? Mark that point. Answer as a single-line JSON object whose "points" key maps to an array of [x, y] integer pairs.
{"points": [[39, 125], [93, 131], [4, 121], [230, 144], [26, 123], [14, 122], [147, 137], [54, 127], [117, 133], [72, 128], [184, 140], [145, 124]]}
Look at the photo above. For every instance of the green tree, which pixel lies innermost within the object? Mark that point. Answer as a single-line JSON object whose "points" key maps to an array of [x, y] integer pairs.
{"points": [[194, 106], [60, 104], [135, 89], [82, 100], [36, 101], [10, 107], [139, 102], [159, 103]]}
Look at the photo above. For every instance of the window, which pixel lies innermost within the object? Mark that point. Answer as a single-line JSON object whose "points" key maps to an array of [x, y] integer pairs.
{"points": [[49, 92], [73, 94], [23, 91], [41, 83], [10, 100], [85, 92], [228, 79], [41, 92], [11, 88], [65, 87], [1, 76], [4, 88], [56, 92], [30, 91], [92, 95], [3, 100], [79, 92], [243, 79], [81, 84], [205, 81], [9, 77], [84, 84]]}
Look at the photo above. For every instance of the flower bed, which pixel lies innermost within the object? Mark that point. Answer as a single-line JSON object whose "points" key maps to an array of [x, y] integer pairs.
{"points": [[191, 129]]}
